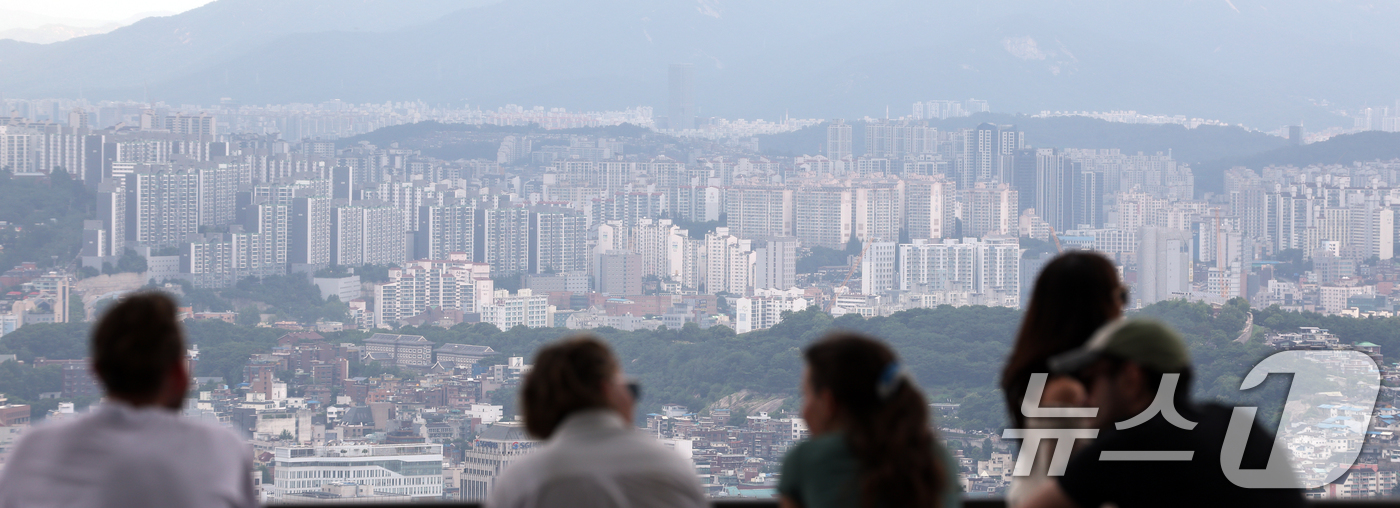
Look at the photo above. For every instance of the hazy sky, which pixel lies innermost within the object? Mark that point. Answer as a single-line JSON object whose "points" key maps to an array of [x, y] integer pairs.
{"points": [[99, 10]]}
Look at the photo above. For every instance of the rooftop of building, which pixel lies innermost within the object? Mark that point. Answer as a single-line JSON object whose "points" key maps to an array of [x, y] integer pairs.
{"points": [[391, 338], [505, 431], [466, 349]]}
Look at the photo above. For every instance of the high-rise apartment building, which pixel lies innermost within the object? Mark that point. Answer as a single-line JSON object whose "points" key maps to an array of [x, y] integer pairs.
{"points": [[681, 113], [445, 229], [766, 307], [1164, 264], [367, 233], [929, 204], [503, 240], [775, 264], [838, 142], [660, 244], [310, 234], [760, 212], [989, 209], [823, 216], [899, 138], [162, 205], [729, 263], [877, 267], [1057, 179], [878, 208], [111, 211], [446, 284], [558, 240], [988, 267], [1025, 178]]}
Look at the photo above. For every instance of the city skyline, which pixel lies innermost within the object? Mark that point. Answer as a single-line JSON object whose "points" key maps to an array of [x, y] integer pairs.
{"points": [[373, 216]]}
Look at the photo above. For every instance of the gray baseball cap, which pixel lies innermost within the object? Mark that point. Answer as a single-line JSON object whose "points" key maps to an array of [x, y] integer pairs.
{"points": [[1143, 341]]}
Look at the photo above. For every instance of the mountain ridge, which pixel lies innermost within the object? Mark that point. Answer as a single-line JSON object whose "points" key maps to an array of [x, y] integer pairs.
{"points": [[818, 58]]}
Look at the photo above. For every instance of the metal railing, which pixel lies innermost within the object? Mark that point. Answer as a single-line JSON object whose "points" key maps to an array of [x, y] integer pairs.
{"points": [[967, 503]]}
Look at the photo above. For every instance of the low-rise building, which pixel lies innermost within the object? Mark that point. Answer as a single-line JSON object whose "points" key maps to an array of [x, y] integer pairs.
{"points": [[403, 350], [413, 470]]}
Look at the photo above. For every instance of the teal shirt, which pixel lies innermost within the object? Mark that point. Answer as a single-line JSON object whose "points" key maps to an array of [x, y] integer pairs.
{"points": [[822, 473]]}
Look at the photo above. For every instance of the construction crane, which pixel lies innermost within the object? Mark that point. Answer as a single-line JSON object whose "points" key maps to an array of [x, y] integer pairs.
{"points": [[1056, 238], [849, 274]]}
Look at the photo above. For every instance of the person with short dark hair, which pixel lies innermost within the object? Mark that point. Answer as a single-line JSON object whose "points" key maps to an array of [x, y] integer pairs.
{"points": [[872, 441], [1138, 375], [576, 397], [134, 449]]}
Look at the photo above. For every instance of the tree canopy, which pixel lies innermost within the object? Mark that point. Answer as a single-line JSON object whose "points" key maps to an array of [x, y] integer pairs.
{"points": [[45, 217], [955, 354]]}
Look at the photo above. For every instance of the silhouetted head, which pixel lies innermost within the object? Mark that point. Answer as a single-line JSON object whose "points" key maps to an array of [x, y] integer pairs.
{"points": [[856, 384], [139, 353], [568, 376], [1075, 294]]}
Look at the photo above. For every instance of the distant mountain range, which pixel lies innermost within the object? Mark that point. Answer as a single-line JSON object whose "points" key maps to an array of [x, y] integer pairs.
{"points": [[1263, 62]]}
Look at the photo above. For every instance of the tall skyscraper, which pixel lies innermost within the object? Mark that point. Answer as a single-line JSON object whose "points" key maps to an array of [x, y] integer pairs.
{"points": [[310, 241], [345, 183], [1057, 178], [682, 99], [1024, 178], [1089, 200]]}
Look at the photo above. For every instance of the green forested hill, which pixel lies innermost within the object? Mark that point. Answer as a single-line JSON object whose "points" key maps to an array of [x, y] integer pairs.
{"points": [[44, 216], [955, 353]]}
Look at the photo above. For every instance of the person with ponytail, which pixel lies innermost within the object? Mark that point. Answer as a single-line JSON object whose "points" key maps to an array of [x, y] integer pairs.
{"points": [[1076, 294], [872, 440]]}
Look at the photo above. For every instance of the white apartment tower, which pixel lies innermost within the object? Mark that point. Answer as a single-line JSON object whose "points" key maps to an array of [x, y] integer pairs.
{"points": [[759, 212], [877, 268], [879, 210], [775, 264], [990, 209], [729, 263], [987, 267], [928, 206], [507, 311], [1164, 264]]}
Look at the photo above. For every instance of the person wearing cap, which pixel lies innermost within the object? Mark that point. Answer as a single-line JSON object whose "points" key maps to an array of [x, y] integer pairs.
{"points": [[1137, 373]]}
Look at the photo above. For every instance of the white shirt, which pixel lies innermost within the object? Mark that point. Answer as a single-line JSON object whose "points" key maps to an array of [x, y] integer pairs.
{"points": [[122, 456], [594, 459]]}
